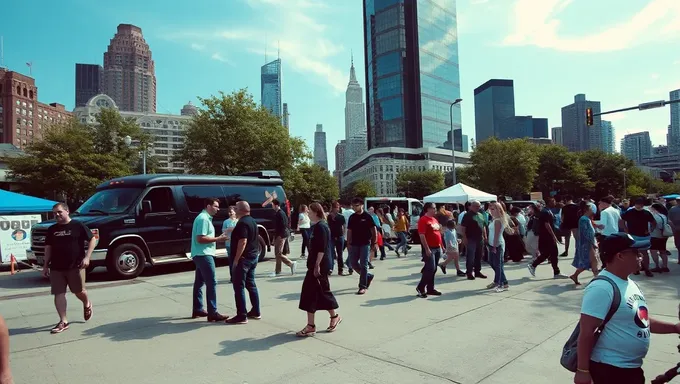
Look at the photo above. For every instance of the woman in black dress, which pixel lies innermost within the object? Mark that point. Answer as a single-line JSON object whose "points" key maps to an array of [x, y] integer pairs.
{"points": [[316, 289]]}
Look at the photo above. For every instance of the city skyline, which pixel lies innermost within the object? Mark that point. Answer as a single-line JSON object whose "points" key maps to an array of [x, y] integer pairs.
{"points": [[228, 58]]}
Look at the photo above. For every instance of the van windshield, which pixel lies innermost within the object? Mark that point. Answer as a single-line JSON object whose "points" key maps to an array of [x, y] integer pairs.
{"points": [[109, 201]]}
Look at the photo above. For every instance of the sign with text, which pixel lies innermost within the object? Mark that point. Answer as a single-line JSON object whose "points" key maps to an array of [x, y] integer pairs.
{"points": [[15, 236]]}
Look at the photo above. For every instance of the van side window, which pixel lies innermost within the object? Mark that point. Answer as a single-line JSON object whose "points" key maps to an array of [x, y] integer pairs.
{"points": [[196, 194], [161, 200], [255, 195], [416, 209]]}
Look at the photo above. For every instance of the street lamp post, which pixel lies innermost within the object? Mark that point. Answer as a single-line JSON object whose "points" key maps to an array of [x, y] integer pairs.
{"points": [[624, 183], [453, 144], [128, 142]]}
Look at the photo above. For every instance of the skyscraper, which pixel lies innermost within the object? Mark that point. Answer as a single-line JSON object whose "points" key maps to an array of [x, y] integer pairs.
{"points": [[636, 146], [557, 136], [608, 136], [340, 151], [271, 87], [578, 136], [89, 81], [673, 137], [320, 152], [540, 127], [412, 76], [285, 118], [495, 112], [129, 71], [355, 118]]}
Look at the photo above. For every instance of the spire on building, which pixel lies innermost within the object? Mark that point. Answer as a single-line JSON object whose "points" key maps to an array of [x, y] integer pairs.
{"points": [[352, 73]]}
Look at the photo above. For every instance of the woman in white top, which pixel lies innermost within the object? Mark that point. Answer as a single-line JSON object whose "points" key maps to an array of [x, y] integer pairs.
{"points": [[498, 224], [658, 240], [303, 227]]}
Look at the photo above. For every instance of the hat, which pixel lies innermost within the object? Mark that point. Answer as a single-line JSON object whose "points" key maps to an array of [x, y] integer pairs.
{"points": [[619, 242]]}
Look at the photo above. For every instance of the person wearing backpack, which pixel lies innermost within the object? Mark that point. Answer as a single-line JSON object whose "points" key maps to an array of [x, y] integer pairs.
{"points": [[615, 305]]}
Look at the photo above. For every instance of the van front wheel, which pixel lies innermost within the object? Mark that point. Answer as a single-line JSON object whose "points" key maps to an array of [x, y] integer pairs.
{"points": [[127, 261], [261, 247]]}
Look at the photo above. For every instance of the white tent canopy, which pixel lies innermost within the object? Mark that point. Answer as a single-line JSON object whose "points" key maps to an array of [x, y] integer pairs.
{"points": [[459, 193]]}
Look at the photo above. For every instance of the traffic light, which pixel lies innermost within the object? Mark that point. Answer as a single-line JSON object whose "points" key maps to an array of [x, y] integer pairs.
{"points": [[589, 116]]}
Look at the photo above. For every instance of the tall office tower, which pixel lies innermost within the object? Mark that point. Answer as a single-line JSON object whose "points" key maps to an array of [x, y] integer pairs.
{"points": [[355, 118], [286, 117], [320, 153], [412, 76], [89, 81], [495, 112], [608, 136], [340, 164], [636, 146], [271, 87], [540, 127], [557, 135], [578, 136], [189, 109], [673, 137], [129, 71]]}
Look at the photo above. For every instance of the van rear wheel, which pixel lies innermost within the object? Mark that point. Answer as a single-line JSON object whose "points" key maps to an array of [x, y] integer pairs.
{"points": [[127, 261]]}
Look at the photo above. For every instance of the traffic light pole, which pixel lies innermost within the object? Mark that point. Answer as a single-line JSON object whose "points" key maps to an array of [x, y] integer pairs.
{"points": [[641, 107]]}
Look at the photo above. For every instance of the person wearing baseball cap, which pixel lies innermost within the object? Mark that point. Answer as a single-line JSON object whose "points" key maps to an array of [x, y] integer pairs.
{"points": [[617, 355]]}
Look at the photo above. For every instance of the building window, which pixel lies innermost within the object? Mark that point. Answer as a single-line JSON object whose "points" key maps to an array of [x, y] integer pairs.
{"points": [[18, 93], [25, 92]]}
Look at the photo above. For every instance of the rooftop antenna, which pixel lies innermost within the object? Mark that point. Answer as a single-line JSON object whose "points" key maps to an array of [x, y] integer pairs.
{"points": [[351, 52], [278, 49], [2, 52], [265, 48]]}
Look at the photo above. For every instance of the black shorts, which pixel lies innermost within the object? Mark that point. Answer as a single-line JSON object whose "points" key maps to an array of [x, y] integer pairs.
{"points": [[658, 243]]}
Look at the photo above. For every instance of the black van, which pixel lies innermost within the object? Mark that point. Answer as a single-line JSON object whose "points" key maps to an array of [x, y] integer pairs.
{"points": [[149, 218]]}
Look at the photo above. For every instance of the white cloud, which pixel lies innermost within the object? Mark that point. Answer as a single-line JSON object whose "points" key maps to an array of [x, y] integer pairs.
{"points": [[197, 47], [537, 23], [654, 76], [220, 58], [676, 62]]}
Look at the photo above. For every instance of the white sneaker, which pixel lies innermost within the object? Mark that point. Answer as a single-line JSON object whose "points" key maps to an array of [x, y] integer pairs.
{"points": [[499, 289], [532, 270], [293, 268]]}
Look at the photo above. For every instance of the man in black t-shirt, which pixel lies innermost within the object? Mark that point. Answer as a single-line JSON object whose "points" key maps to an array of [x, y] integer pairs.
{"points": [[66, 261], [243, 258], [362, 235], [639, 223], [474, 232], [336, 223], [281, 233], [547, 243], [569, 227]]}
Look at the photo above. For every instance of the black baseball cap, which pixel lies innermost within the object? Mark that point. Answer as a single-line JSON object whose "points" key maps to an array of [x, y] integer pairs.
{"points": [[619, 242]]}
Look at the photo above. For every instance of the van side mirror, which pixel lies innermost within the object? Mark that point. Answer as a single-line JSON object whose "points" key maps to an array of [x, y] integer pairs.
{"points": [[146, 207]]}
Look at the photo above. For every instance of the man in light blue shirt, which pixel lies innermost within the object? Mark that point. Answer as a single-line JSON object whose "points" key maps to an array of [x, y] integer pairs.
{"points": [[203, 254]]}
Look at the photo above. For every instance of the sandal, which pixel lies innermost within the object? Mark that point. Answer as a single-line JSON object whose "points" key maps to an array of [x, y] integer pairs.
{"points": [[575, 280], [308, 330], [331, 327], [87, 312]]}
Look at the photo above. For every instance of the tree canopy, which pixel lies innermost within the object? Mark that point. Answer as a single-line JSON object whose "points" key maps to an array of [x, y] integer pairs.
{"points": [[308, 182], [418, 184], [361, 189]]}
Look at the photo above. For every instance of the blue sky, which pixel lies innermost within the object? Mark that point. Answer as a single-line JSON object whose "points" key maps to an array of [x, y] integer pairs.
{"points": [[618, 52]]}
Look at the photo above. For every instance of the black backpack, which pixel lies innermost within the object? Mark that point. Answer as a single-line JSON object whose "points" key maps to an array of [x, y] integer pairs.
{"points": [[569, 360]]}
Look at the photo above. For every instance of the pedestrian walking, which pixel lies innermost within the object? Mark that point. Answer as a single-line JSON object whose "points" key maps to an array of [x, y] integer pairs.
{"points": [[337, 225], [303, 226], [431, 239], [316, 292], [639, 223], [659, 238], [617, 355], [384, 232], [610, 216], [497, 227], [5, 369], [227, 227], [474, 232], [451, 248], [569, 223], [401, 227], [362, 236], [203, 247], [281, 234], [586, 246], [674, 221], [547, 243], [244, 257], [66, 261]]}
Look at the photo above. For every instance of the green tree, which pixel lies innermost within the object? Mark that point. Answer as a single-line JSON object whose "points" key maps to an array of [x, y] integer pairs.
{"points": [[232, 135], [559, 169], [361, 189], [67, 164], [503, 167], [418, 184], [308, 183], [606, 171]]}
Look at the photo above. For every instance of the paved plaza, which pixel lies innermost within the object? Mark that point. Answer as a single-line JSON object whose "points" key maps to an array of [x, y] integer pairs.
{"points": [[141, 333]]}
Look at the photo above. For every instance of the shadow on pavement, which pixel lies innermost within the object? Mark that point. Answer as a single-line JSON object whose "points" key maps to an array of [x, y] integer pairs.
{"points": [[147, 328], [250, 344], [390, 300], [44, 328], [412, 276]]}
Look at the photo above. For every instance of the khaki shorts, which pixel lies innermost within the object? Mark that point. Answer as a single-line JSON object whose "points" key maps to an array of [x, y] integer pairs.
{"points": [[74, 279]]}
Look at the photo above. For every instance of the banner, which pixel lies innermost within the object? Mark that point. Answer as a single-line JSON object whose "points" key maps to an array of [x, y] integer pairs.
{"points": [[15, 236]]}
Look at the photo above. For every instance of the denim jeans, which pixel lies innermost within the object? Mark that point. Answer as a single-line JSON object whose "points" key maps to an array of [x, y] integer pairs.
{"points": [[243, 276], [402, 242], [338, 248], [496, 262], [473, 256], [358, 259], [205, 275], [429, 269], [306, 233]]}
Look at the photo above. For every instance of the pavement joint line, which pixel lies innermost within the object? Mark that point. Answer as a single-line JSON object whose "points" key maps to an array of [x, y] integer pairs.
{"points": [[523, 353], [89, 288]]}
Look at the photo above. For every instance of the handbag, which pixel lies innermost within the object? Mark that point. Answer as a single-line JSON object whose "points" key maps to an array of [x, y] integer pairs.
{"points": [[667, 230]]}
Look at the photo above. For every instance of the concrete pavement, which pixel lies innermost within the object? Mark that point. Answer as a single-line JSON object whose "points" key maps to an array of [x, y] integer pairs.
{"points": [[140, 331]]}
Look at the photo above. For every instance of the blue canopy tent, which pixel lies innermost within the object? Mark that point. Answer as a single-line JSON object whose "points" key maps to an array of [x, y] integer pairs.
{"points": [[671, 197], [11, 202]]}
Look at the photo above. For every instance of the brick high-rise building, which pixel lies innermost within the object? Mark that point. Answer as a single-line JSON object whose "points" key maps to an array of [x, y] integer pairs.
{"points": [[22, 117], [129, 71]]}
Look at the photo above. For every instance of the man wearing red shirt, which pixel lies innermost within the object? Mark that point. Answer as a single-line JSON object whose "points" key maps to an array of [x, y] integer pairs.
{"points": [[431, 240]]}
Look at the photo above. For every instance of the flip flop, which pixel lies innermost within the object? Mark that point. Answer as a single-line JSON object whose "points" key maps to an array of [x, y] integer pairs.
{"points": [[331, 328]]}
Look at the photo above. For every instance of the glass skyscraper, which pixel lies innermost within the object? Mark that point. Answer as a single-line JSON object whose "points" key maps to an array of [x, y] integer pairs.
{"points": [[495, 112], [412, 75], [271, 87]]}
